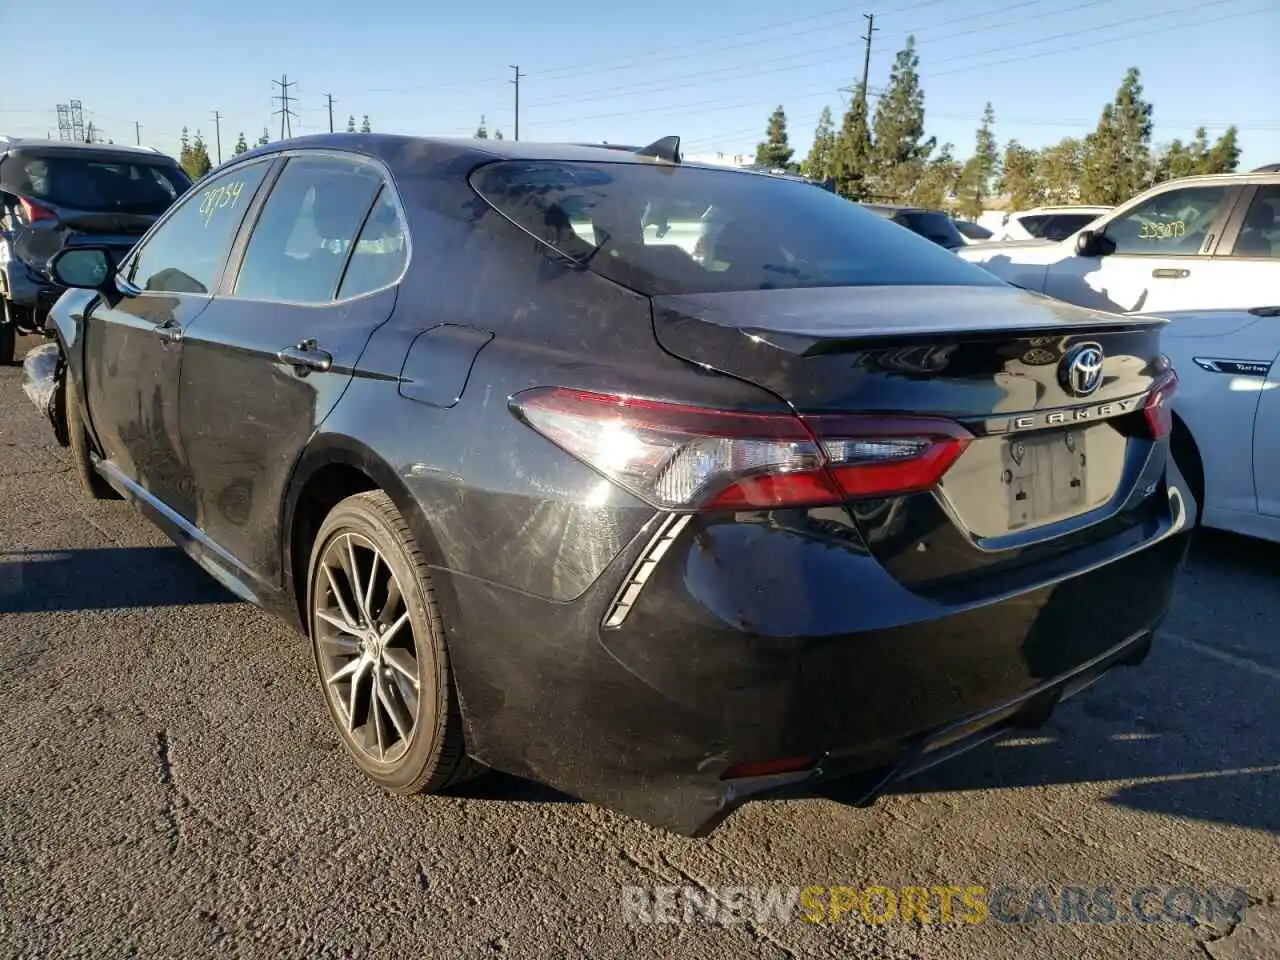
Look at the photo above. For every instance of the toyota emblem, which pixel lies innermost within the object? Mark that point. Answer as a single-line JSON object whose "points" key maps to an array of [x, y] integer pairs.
{"points": [[1081, 371]]}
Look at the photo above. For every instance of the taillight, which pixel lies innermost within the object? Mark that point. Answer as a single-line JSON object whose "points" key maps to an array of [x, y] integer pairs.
{"points": [[1159, 406], [34, 212], [686, 457]]}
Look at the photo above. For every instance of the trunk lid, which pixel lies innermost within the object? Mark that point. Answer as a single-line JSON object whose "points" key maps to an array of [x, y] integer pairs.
{"points": [[1048, 470]]}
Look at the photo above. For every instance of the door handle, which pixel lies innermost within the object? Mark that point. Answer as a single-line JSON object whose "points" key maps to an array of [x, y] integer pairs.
{"points": [[169, 332], [305, 357], [1168, 273]]}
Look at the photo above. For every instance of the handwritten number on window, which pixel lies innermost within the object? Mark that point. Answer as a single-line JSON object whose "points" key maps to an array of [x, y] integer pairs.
{"points": [[1163, 231], [218, 198]]}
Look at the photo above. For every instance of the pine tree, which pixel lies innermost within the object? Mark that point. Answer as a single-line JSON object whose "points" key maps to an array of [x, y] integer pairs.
{"points": [[1020, 177], [940, 176], [1058, 171], [980, 171], [184, 156], [818, 164], [351, 123], [1117, 155], [482, 132], [242, 146], [198, 162], [264, 139], [775, 153], [851, 153], [497, 134], [364, 126], [1224, 157], [900, 148], [1174, 161]]}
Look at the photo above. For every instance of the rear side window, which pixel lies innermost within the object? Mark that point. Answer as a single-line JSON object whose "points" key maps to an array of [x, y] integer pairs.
{"points": [[662, 229], [94, 184], [1056, 226], [301, 242]]}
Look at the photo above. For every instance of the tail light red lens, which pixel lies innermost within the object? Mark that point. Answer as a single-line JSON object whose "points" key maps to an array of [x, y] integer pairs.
{"points": [[686, 457], [1159, 406], [34, 212]]}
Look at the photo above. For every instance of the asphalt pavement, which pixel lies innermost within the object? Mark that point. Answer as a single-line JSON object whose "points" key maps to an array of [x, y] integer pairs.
{"points": [[170, 787]]}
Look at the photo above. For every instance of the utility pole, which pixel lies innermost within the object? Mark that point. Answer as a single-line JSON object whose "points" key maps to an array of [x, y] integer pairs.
{"points": [[137, 132], [217, 133], [866, 60], [286, 115], [515, 67], [330, 98]]}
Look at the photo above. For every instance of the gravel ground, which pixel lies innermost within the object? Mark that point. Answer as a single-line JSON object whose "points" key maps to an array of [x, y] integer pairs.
{"points": [[169, 787]]}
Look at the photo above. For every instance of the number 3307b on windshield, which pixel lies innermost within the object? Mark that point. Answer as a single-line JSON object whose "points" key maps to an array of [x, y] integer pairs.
{"points": [[213, 200]]}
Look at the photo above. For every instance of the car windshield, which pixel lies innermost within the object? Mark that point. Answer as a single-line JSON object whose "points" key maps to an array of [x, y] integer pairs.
{"points": [[95, 184], [663, 229]]}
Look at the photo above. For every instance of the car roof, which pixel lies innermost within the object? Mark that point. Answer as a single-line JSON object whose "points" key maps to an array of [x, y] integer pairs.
{"points": [[901, 208], [392, 147], [1066, 208], [75, 147]]}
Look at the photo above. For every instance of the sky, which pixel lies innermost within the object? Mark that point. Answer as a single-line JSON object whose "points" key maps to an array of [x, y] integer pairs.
{"points": [[709, 71]]}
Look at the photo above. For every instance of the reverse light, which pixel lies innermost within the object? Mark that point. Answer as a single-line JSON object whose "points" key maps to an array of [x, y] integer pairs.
{"points": [[684, 457], [34, 212], [1159, 406]]}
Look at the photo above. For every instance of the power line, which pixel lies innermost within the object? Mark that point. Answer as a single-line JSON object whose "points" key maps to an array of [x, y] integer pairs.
{"points": [[286, 115], [826, 90]]}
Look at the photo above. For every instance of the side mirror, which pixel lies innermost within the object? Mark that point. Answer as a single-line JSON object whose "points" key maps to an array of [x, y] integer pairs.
{"points": [[1089, 243], [85, 268], [89, 268]]}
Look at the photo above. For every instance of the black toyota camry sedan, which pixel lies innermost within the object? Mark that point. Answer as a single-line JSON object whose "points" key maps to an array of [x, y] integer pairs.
{"points": [[665, 485]]}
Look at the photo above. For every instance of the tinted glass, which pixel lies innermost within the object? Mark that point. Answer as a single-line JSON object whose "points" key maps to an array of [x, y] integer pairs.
{"points": [[95, 184], [938, 227], [1170, 224], [973, 231], [1260, 232], [725, 230], [186, 254], [381, 249], [308, 225], [1056, 226]]}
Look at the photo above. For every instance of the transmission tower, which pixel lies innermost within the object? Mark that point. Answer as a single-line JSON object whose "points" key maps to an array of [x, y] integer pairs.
{"points": [[286, 115], [77, 122], [64, 122]]}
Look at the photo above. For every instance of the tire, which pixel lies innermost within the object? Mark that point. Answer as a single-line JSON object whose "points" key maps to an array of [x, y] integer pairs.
{"points": [[1182, 447], [433, 755], [89, 479], [8, 341]]}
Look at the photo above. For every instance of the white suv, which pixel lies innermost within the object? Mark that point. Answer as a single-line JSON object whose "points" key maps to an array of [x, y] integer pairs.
{"points": [[1047, 223], [1199, 243]]}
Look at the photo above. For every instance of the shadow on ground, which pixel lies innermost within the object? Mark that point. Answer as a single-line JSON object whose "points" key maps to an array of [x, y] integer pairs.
{"points": [[44, 581]]}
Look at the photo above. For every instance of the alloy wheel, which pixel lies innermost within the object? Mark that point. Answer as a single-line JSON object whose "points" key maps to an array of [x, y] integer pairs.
{"points": [[366, 648]]}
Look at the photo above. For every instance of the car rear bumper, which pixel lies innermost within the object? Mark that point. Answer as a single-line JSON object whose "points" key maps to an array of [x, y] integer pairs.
{"points": [[761, 641]]}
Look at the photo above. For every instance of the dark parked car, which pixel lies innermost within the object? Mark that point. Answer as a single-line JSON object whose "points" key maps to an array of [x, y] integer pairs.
{"points": [[554, 497], [931, 224], [56, 194]]}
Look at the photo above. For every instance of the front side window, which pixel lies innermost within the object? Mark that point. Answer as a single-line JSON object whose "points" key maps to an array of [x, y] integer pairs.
{"points": [[1260, 232], [664, 229], [187, 252], [1170, 224], [308, 225]]}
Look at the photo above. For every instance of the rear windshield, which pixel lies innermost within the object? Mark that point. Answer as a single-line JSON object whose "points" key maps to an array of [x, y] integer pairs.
{"points": [[938, 227], [94, 184], [662, 229]]}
